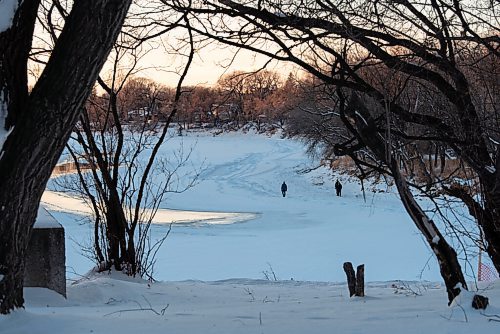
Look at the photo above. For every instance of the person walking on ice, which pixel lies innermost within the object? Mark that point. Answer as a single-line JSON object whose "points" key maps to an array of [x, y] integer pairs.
{"points": [[338, 188], [284, 188]]}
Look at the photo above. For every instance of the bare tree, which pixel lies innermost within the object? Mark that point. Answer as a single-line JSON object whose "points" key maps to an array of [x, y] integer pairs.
{"points": [[196, 106], [247, 90], [233, 88], [119, 173], [112, 177]]}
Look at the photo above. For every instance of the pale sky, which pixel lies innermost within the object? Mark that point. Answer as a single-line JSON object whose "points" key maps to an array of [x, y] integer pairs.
{"points": [[210, 62], [207, 67]]}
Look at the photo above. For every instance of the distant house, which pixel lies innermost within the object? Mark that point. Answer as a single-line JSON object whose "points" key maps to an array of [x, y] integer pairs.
{"points": [[69, 166], [140, 114], [223, 113], [202, 116]]}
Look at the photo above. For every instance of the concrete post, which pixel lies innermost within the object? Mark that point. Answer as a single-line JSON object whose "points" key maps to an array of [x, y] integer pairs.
{"points": [[46, 257]]}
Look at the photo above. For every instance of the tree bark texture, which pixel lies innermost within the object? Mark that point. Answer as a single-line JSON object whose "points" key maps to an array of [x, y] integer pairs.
{"points": [[351, 278], [360, 281], [15, 44], [43, 120], [355, 281]]}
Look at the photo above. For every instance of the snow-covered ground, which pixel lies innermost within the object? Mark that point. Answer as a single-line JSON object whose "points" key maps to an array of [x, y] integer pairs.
{"points": [[213, 264], [115, 304]]}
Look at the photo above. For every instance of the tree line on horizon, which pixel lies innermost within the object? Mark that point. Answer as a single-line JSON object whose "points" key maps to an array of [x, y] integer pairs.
{"points": [[262, 97]]}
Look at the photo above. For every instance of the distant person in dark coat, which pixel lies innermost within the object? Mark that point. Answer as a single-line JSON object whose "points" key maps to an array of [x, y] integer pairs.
{"points": [[284, 188], [338, 188]]}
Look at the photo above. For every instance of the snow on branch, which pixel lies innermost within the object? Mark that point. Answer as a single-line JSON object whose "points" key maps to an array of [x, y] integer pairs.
{"points": [[496, 142], [491, 169]]}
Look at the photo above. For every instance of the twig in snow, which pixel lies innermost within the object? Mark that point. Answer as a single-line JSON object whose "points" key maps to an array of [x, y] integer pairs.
{"points": [[150, 308], [308, 169], [270, 275], [402, 287], [463, 310], [492, 317], [250, 292]]}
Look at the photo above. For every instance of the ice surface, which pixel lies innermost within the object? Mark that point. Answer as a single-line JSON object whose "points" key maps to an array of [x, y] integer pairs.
{"points": [[307, 235]]}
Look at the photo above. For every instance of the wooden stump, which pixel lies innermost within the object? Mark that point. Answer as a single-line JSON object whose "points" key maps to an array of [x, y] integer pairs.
{"points": [[355, 281], [351, 278], [479, 302], [360, 281]]}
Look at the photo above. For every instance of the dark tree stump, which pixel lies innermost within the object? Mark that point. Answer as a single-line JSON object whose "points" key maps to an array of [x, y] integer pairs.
{"points": [[351, 278], [479, 302], [360, 281]]}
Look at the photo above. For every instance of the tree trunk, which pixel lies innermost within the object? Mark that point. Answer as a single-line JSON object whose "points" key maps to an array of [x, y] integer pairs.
{"points": [[449, 266], [116, 226], [131, 254], [15, 206], [488, 217], [12, 253], [491, 228], [490, 220], [43, 122], [355, 282], [12, 281], [351, 278], [360, 280]]}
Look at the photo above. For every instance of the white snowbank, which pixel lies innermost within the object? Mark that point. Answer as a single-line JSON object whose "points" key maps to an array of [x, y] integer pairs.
{"points": [[45, 220]]}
